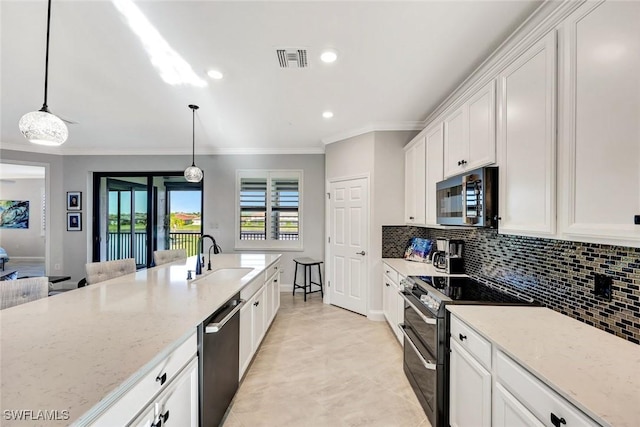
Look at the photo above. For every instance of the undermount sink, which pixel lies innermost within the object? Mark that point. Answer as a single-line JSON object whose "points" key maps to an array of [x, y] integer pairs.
{"points": [[228, 273]]}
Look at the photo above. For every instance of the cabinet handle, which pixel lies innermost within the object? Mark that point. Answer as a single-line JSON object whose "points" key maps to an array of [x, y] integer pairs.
{"points": [[557, 421], [387, 284], [411, 218], [275, 281], [462, 337], [255, 304], [161, 378]]}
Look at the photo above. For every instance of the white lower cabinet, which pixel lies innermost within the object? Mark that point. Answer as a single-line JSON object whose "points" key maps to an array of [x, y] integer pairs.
{"points": [[257, 317], [177, 405], [262, 304], [164, 385], [509, 412], [538, 398], [246, 340], [516, 398], [470, 390], [392, 302]]}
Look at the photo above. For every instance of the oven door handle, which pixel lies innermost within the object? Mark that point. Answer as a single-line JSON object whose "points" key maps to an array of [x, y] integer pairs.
{"points": [[426, 319], [427, 364]]}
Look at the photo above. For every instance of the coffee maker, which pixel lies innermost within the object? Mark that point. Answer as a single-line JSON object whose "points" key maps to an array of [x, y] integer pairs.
{"points": [[449, 256]]}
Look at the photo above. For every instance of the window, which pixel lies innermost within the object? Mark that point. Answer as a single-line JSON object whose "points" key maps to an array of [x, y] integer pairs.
{"points": [[269, 209]]}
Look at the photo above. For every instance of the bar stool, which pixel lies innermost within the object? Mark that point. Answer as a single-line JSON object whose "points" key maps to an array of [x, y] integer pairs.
{"points": [[306, 264]]}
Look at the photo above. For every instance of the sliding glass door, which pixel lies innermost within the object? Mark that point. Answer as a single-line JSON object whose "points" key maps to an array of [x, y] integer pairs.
{"points": [[139, 213]]}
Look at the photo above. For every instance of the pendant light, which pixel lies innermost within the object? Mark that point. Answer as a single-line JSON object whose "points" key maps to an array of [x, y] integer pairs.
{"points": [[193, 173], [42, 127]]}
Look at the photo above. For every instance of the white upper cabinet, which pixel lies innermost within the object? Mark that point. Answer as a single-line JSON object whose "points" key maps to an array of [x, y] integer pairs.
{"points": [[470, 133], [414, 187], [527, 142], [600, 123], [435, 153]]}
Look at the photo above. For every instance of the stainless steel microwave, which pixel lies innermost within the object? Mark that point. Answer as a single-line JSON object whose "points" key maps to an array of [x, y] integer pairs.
{"points": [[469, 199]]}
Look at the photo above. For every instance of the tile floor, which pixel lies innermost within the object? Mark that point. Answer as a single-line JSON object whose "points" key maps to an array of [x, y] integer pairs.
{"points": [[321, 366]]}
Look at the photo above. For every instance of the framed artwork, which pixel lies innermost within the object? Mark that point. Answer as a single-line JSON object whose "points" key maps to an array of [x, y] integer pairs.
{"points": [[74, 200], [14, 214], [74, 221]]}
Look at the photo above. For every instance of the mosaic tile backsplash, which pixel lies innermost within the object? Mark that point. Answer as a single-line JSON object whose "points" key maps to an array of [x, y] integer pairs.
{"points": [[558, 273]]}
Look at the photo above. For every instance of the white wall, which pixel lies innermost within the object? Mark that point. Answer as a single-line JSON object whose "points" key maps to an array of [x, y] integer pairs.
{"points": [[30, 242], [56, 203], [219, 197], [380, 156]]}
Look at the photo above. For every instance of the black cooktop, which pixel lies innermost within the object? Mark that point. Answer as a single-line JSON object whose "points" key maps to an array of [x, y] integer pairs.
{"points": [[467, 289]]}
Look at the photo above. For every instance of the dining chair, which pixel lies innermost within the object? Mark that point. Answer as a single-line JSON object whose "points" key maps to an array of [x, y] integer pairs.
{"points": [[20, 291], [170, 255], [100, 271]]}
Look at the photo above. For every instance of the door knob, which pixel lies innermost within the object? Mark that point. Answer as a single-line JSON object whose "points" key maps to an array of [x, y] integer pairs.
{"points": [[361, 253]]}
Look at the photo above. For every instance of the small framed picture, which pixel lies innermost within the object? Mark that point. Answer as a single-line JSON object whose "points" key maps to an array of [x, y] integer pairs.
{"points": [[74, 200], [74, 221]]}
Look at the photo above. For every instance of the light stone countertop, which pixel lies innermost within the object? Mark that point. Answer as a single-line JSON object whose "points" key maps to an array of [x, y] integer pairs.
{"points": [[596, 371], [73, 350], [412, 268]]}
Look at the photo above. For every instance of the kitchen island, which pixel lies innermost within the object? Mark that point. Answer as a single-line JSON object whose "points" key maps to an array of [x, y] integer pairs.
{"points": [[77, 352]]}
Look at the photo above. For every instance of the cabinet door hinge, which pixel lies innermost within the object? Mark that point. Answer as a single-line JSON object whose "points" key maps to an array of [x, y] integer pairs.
{"points": [[329, 239], [329, 283], [328, 195]]}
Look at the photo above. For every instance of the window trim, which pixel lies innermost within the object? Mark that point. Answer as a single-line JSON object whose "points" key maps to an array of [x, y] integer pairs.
{"points": [[269, 243]]}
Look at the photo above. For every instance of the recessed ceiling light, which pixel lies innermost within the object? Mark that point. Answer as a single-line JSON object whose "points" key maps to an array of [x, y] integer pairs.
{"points": [[329, 56], [327, 114], [215, 74]]}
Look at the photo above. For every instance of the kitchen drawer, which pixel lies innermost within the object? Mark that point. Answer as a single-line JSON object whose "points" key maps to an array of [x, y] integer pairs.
{"points": [[536, 396], [390, 273], [471, 341], [153, 382], [271, 270], [250, 290]]}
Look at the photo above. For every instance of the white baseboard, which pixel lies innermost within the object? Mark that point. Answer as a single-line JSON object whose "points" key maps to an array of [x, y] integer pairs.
{"points": [[286, 287], [376, 315], [26, 258]]}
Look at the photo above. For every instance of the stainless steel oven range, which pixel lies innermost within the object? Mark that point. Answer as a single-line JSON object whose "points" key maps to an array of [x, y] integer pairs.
{"points": [[426, 334]]}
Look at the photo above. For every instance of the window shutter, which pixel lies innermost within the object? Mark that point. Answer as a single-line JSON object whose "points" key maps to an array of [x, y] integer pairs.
{"points": [[253, 208], [285, 203]]}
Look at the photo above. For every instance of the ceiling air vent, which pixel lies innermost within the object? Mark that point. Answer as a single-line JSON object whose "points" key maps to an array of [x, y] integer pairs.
{"points": [[292, 58]]}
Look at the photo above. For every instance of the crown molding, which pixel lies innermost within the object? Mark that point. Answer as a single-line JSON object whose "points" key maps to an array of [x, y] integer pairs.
{"points": [[374, 127], [32, 148]]}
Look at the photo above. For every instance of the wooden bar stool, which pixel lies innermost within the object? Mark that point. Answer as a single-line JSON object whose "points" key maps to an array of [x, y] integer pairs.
{"points": [[306, 264]]}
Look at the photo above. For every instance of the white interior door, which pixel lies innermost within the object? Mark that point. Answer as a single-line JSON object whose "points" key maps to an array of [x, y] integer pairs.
{"points": [[349, 244]]}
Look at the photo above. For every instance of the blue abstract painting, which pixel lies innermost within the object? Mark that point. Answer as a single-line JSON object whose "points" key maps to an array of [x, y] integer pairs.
{"points": [[14, 214]]}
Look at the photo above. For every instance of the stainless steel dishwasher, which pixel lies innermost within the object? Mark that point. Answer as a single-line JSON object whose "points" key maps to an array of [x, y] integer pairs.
{"points": [[218, 350]]}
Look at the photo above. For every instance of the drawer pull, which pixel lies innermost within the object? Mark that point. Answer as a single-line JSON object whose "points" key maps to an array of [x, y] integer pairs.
{"points": [[161, 378], [557, 421], [462, 337], [255, 304], [387, 284]]}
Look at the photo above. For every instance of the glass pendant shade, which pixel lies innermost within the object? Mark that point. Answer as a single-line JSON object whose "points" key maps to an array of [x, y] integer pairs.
{"points": [[193, 174], [44, 128]]}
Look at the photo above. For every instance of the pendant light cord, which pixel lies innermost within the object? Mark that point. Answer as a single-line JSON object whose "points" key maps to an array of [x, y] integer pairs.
{"points": [[45, 108], [193, 129]]}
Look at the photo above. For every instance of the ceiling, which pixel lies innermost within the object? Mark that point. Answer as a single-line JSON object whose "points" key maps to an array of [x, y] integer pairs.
{"points": [[397, 61]]}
